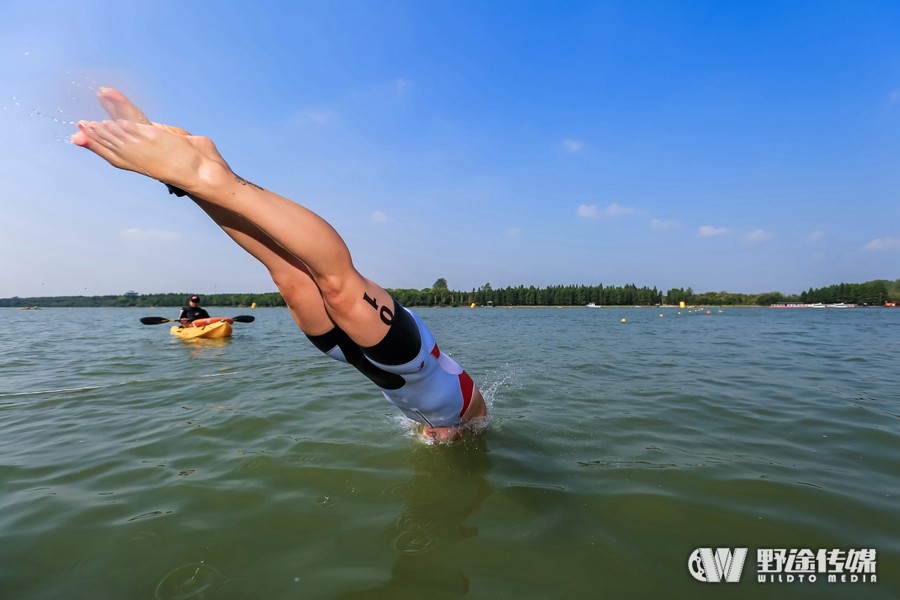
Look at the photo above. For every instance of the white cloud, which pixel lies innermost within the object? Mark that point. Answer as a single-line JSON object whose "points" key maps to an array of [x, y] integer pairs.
{"points": [[379, 217], [660, 225], [573, 145], [614, 210], [895, 96], [148, 235], [513, 232], [815, 237], [757, 236], [402, 85], [710, 231], [592, 211], [313, 117], [588, 211], [883, 243]]}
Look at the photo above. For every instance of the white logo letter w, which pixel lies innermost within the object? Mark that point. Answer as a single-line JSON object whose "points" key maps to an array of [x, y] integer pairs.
{"points": [[723, 565]]}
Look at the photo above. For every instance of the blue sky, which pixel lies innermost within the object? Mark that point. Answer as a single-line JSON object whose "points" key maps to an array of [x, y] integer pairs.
{"points": [[739, 146]]}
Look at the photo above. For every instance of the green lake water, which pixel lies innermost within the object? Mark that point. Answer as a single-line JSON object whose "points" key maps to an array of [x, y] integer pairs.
{"points": [[136, 465]]}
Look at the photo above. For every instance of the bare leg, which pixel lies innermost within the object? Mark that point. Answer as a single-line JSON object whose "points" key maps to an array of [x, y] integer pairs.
{"points": [[305, 256], [305, 301], [290, 275], [357, 305]]}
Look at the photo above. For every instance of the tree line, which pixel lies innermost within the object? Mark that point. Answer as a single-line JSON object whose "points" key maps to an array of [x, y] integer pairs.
{"points": [[133, 299], [873, 293]]}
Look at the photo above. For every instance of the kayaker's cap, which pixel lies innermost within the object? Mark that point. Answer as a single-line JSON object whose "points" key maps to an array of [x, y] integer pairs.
{"points": [[195, 299]]}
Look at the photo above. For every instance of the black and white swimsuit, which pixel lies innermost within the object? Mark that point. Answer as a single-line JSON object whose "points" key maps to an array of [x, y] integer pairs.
{"points": [[412, 372]]}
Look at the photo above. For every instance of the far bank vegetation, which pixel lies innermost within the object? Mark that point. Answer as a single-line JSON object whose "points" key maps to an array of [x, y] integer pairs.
{"points": [[872, 293]]}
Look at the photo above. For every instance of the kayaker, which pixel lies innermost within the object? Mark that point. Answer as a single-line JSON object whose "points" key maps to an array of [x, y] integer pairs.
{"points": [[347, 316], [192, 312]]}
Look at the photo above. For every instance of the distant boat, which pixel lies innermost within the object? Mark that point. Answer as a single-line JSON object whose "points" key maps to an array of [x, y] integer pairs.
{"points": [[592, 305], [815, 305]]}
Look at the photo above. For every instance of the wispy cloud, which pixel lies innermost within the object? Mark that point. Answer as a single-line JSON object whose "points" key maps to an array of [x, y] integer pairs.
{"points": [[757, 235], [402, 86], [148, 235], [398, 88], [573, 145], [614, 210], [592, 211], [895, 96], [513, 232], [883, 243], [660, 225], [706, 231], [313, 116], [588, 211], [815, 237], [378, 217], [381, 95]]}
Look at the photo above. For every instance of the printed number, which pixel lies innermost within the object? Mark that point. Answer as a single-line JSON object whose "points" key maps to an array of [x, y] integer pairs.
{"points": [[386, 314]]}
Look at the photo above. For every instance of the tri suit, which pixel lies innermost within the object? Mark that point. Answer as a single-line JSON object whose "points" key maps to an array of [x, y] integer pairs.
{"points": [[413, 374]]}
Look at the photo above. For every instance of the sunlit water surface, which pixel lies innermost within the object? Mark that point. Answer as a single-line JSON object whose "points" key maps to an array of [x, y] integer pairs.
{"points": [[135, 465]]}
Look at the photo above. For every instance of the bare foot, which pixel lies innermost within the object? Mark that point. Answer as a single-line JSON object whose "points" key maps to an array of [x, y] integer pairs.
{"points": [[141, 148], [134, 143], [119, 107]]}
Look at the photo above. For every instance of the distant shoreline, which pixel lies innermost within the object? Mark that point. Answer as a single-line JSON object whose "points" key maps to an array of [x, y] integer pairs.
{"points": [[872, 293], [458, 307]]}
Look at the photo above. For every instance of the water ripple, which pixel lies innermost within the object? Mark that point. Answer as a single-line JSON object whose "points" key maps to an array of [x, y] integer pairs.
{"points": [[142, 466]]}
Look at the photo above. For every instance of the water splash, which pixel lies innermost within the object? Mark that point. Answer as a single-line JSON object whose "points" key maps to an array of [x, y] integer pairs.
{"points": [[61, 119]]}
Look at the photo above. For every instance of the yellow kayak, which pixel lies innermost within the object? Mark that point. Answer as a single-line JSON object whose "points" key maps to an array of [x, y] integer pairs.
{"points": [[217, 329]]}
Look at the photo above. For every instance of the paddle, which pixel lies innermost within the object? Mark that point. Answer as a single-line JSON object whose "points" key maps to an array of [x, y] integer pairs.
{"points": [[160, 320]]}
